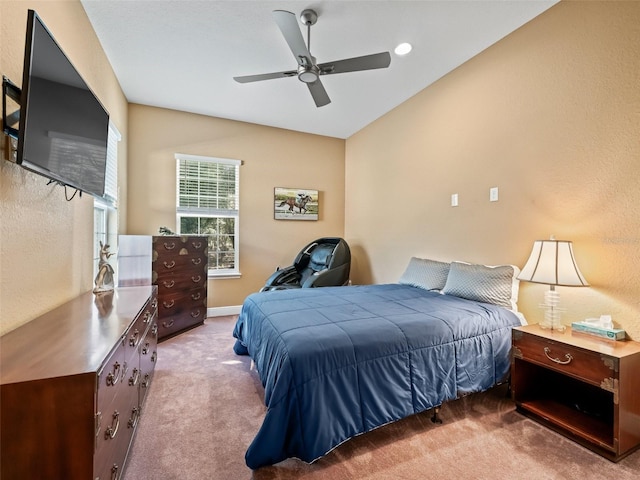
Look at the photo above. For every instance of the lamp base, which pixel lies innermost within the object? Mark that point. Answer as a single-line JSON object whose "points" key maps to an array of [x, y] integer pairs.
{"points": [[550, 326], [552, 311]]}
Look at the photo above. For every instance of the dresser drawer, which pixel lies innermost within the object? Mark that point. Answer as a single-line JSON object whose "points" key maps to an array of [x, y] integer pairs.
{"points": [[175, 323], [115, 429], [168, 247], [168, 262], [585, 365], [137, 331], [179, 281], [110, 378], [148, 357], [181, 301]]}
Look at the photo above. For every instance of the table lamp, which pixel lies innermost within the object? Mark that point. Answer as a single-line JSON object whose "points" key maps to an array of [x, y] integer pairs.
{"points": [[552, 262]]}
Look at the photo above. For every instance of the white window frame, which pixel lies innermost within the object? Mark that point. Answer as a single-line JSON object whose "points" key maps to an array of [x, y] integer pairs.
{"points": [[182, 211], [105, 209]]}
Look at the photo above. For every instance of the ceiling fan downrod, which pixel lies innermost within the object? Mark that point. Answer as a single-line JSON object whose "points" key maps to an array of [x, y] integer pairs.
{"points": [[308, 73]]}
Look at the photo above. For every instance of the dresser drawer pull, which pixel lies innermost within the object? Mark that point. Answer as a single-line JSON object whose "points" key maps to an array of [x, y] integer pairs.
{"points": [[114, 472], [195, 296], [114, 376], [568, 357], [145, 349], [133, 341], [195, 313], [169, 304], [169, 284], [168, 324], [169, 246], [196, 278], [154, 357], [98, 425], [196, 261], [133, 420], [197, 245], [154, 303], [135, 376], [154, 330], [112, 430], [170, 265], [147, 380]]}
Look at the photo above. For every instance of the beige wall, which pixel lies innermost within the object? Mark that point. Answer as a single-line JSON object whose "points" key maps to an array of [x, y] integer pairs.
{"points": [[46, 243], [551, 116], [272, 158]]}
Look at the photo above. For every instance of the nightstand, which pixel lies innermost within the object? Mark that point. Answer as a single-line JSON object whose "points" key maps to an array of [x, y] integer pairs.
{"points": [[583, 387]]}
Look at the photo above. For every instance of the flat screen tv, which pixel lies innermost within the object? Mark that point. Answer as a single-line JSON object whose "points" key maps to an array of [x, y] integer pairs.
{"points": [[63, 126]]}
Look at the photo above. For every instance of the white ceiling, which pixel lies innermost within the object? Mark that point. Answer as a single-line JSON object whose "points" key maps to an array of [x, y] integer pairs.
{"points": [[183, 54]]}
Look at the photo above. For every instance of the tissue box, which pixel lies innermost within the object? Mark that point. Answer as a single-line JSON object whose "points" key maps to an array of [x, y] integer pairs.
{"points": [[591, 329]]}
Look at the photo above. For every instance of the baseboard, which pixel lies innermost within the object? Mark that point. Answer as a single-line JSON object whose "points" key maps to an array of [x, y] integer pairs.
{"points": [[222, 311]]}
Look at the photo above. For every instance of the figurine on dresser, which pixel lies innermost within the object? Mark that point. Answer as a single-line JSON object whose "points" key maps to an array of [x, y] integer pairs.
{"points": [[104, 279]]}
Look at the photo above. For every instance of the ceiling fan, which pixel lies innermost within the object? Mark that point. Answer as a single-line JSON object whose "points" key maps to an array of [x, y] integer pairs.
{"points": [[308, 70]]}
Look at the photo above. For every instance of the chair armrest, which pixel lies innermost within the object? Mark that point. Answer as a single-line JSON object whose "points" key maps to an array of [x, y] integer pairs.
{"points": [[283, 276], [324, 278]]}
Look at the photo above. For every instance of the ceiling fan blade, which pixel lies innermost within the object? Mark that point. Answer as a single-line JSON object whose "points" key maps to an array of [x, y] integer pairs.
{"points": [[265, 76], [367, 62], [288, 24], [318, 93]]}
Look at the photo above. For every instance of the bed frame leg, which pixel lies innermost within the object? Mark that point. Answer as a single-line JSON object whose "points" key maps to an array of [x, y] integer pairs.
{"points": [[435, 418]]}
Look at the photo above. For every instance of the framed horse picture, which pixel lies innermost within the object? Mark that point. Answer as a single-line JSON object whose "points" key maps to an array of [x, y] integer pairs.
{"points": [[295, 204]]}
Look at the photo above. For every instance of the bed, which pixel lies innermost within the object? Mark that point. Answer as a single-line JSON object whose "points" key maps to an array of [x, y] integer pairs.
{"points": [[336, 362]]}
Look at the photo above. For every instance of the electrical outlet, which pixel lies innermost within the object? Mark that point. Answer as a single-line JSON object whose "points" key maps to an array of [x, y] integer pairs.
{"points": [[493, 194], [454, 200]]}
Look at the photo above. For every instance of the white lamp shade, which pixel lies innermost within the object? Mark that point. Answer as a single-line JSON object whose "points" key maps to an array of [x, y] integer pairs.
{"points": [[552, 262]]}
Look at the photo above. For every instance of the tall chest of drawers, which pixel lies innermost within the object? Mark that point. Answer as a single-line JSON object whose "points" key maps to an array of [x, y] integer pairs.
{"points": [[73, 385], [179, 269]]}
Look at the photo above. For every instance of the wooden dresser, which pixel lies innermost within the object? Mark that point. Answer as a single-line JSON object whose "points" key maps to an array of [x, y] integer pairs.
{"points": [[581, 386], [73, 384], [180, 270]]}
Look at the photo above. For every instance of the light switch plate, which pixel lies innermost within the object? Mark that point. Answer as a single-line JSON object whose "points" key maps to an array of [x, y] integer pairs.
{"points": [[454, 200], [493, 194]]}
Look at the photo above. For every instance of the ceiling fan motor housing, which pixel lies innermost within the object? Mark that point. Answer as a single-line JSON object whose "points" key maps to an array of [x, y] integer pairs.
{"points": [[308, 71]]}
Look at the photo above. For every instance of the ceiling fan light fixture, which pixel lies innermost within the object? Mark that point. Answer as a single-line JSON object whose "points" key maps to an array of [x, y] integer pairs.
{"points": [[403, 49], [308, 73]]}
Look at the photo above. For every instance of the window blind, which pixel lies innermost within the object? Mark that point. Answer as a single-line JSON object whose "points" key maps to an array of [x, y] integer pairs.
{"points": [[111, 175], [208, 185]]}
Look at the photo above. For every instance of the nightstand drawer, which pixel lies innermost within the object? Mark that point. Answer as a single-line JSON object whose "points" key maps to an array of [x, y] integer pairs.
{"points": [[582, 364]]}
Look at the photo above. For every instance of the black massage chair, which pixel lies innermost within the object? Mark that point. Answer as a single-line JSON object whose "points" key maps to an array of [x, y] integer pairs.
{"points": [[324, 262]]}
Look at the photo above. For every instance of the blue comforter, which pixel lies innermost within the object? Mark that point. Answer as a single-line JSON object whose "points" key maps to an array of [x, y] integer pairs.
{"points": [[339, 361]]}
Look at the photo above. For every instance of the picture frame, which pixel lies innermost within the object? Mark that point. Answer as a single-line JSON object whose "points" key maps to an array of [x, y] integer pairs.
{"points": [[300, 204]]}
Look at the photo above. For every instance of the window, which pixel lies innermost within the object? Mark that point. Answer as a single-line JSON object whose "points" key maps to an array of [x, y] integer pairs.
{"points": [[105, 209], [208, 204]]}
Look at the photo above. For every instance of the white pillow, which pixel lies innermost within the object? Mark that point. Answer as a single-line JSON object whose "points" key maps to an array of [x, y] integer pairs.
{"points": [[498, 285], [424, 273]]}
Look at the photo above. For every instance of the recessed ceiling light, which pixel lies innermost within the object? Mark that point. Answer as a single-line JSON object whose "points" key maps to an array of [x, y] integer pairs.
{"points": [[403, 49]]}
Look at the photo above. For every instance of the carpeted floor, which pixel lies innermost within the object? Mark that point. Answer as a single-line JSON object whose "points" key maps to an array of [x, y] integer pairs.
{"points": [[205, 406]]}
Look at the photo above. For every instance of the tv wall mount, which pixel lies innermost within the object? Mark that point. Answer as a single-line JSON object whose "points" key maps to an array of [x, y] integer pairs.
{"points": [[12, 91]]}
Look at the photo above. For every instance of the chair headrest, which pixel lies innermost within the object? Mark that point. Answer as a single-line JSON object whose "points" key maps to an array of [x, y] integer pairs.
{"points": [[321, 255]]}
